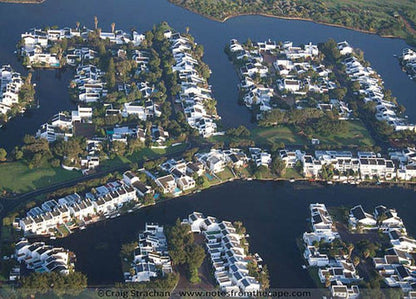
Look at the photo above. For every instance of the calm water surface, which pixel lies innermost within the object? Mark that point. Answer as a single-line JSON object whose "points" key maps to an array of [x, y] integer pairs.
{"points": [[274, 214], [142, 14]]}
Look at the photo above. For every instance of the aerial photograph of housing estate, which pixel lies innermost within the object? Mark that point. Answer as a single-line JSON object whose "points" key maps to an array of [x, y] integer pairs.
{"points": [[208, 148]]}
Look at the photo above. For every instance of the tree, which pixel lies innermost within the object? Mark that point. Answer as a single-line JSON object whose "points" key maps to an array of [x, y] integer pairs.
{"points": [[278, 166], [195, 256], [111, 73], [3, 154], [41, 283], [127, 250], [356, 261], [350, 249]]}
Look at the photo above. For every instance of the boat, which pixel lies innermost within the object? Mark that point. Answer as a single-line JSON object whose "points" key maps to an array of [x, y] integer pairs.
{"points": [[292, 180], [129, 211], [52, 238], [82, 228], [304, 267], [118, 214], [329, 182]]}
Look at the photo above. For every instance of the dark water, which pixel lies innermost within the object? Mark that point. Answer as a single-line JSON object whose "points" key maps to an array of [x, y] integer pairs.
{"points": [[274, 214], [142, 14]]}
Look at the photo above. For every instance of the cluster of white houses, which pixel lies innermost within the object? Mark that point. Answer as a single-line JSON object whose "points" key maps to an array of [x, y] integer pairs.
{"points": [[61, 124], [364, 164], [42, 258], [195, 91], [10, 84], [408, 60], [36, 45], [294, 66], [89, 83], [151, 257], [73, 211], [397, 265], [228, 257], [371, 88], [338, 270]]}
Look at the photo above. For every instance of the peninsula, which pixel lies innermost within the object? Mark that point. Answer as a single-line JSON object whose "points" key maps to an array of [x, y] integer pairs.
{"points": [[386, 18]]}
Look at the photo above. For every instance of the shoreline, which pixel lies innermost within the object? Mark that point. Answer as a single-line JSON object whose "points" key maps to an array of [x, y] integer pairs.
{"points": [[223, 20], [23, 2]]}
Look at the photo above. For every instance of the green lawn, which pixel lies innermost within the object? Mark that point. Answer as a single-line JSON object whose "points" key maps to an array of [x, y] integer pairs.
{"points": [[291, 173], [18, 178], [356, 134], [225, 175], [276, 135]]}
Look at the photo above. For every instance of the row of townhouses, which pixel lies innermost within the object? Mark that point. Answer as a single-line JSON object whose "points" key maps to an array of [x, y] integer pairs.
{"points": [[366, 164], [42, 258], [72, 210], [371, 88], [10, 84], [151, 257], [408, 60], [229, 260], [339, 271], [195, 91]]}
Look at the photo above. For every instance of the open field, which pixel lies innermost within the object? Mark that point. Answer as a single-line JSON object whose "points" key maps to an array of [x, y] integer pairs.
{"points": [[387, 18], [17, 177], [356, 135]]}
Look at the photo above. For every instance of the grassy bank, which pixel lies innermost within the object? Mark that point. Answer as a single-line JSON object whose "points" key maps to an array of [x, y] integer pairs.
{"points": [[383, 17], [17, 177], [356, 135]]}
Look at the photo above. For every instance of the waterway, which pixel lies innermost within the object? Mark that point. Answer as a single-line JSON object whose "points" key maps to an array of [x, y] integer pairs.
{"points": [[143, 14], [274, 214]]}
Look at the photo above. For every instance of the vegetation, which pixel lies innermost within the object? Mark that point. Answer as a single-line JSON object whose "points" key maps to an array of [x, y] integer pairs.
{"points": [[387, 18], [184, 251], [26, 97], [17, 177], [53, 284]]}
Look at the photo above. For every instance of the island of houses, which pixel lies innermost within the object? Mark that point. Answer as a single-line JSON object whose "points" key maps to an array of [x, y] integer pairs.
{"points": [[151, 257], [337, 273], [395, 265], [10, 84], [271, 71], [41, 258], [408, 62], [195, 92], [228, 258], [372, 90]]}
